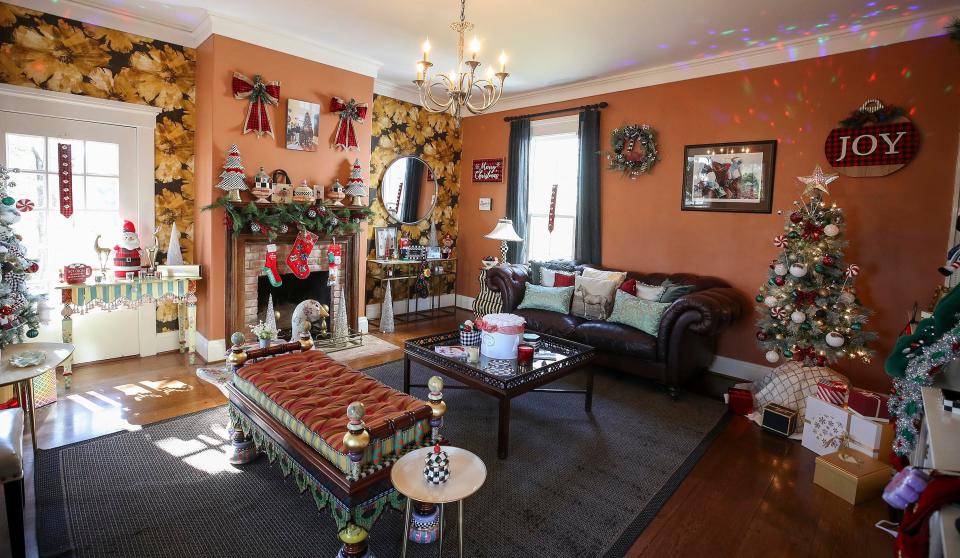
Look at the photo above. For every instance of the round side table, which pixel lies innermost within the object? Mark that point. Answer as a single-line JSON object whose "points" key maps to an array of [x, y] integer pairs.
{"points": [[22, 378], [467, 474]]}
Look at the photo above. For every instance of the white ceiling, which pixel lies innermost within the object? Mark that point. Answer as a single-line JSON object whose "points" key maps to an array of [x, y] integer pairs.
{"points": [[551, 43]]}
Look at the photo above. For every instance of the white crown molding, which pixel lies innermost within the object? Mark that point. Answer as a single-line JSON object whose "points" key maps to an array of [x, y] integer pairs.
{"points": [[399, 92], [883, 33], [41, 102]]}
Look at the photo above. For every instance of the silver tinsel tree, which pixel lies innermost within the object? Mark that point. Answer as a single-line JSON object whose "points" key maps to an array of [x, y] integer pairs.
{"points": [[271, 318], [18, 307], [339, 326], [386, 310]]}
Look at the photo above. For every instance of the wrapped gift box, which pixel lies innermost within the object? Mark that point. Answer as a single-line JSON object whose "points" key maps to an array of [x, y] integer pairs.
{"points": [[851, 475], [870, 437], [824, 426], [779, 419], [868, 403], [832, 391], [740, 401]]}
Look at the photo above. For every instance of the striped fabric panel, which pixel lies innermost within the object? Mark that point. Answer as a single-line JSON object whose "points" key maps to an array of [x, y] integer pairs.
{"points": [[373, 455], [487, 302]]}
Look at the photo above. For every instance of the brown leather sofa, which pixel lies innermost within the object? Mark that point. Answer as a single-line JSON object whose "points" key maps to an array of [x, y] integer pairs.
{"points": [[683, 348]]}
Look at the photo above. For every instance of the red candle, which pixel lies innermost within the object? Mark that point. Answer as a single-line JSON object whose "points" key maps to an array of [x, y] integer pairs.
{"points": [[525, 354]]}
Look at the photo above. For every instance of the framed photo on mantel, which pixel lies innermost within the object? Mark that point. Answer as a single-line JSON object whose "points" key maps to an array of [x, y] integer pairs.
{"points": [[735, 177]]}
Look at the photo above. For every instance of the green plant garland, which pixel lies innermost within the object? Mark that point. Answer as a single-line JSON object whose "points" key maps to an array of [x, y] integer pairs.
{"points": [[634, 150], [276, 219]]}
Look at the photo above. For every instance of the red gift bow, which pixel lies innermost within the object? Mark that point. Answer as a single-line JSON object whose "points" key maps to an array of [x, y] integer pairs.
{"points": [[349, 112], [260, 94]]}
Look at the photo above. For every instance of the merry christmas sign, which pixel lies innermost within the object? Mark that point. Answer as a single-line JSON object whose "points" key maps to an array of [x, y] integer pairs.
{"points": [[488, 170]]}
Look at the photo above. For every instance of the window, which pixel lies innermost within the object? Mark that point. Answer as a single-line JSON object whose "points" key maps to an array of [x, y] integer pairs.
{"points": [[554, 159]]}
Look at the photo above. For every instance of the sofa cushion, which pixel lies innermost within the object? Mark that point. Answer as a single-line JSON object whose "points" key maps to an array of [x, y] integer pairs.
{"points": [[593, 298], [617, 338], [637, 312], [551, 323], [554, 299]]}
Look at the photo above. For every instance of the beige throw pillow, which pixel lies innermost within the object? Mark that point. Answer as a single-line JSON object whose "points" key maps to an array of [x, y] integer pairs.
{"points": [[593, 298], [618, 276], [650, 292]]}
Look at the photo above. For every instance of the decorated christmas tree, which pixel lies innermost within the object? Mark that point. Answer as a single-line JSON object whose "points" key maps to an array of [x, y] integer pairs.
{"points": [[18, 307], [232, 179], [809, 311], [356, 189]]}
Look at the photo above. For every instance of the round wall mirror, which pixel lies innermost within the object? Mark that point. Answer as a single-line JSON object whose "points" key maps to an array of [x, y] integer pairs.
{"points": [[408, 190]]}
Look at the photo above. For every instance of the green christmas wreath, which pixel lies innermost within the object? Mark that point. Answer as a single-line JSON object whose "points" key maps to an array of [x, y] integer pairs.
{"points": [[634, 150], [275, 219]]}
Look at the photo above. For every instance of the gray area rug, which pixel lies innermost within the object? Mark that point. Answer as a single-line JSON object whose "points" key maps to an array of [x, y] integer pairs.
{"points": [[575, 485]]}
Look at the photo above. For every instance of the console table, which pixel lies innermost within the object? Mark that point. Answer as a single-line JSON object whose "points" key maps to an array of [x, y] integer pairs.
{"points": [[111, 295], [407, 271]]}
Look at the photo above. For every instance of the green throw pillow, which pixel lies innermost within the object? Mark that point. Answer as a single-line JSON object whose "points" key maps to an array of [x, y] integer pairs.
{"points": [[554, 299], [637, 313], [672, 291]]}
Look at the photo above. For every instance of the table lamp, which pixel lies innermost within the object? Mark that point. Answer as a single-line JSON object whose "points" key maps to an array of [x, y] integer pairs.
{"points": [[504, 233]]}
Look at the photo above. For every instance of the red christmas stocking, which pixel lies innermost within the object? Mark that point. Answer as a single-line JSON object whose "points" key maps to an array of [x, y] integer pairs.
{"points": [[297, 261], [270, 266]]}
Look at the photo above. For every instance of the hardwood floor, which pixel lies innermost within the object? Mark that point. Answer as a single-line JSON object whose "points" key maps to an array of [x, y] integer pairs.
{"points": [[752, 494]]}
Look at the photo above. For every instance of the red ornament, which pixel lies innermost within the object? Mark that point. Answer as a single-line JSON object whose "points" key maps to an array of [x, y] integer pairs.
{"points": [[795, 217], [815, 235], [829, 260], [24, 206], [779, 280], [33, 267], [821, 360], [6, 310], [761, 336]]}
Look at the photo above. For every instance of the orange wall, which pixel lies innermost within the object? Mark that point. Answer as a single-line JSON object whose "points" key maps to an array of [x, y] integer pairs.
{"points": [[898, 225], [219, 123]]}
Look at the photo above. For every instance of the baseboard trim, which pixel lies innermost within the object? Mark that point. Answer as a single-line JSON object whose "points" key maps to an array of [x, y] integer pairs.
{"points": [[739, 369], [465, 302], [212, 350], [401, 306]]}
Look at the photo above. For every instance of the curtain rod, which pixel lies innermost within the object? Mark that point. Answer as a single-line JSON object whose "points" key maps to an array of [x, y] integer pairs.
{"points": [[597, 106]]}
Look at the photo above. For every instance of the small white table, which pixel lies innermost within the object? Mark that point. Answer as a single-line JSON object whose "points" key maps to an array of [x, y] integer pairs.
{"points": [[22, 378], [467, 475]]}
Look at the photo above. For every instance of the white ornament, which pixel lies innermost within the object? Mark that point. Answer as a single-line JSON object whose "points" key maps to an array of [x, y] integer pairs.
{"points": [[798, 270], [780, 269], [772, 356], [798, 317], [770, 301], [834, 339], [846, 297], [831, 230]]}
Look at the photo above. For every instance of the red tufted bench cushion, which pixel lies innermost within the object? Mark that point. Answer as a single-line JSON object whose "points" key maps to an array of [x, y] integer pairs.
{"points": [[309, 392]]}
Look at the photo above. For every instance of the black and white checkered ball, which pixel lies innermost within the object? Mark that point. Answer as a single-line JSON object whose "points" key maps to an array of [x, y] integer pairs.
{"points": [[437, 469]]}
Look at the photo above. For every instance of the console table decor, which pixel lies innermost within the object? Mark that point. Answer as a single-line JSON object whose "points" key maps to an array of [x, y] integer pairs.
{"points": [[108, 296]]}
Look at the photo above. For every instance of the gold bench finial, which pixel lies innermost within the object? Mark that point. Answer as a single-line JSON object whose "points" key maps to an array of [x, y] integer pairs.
{"points": [[438, 407], [357, 438], [237, 355]]}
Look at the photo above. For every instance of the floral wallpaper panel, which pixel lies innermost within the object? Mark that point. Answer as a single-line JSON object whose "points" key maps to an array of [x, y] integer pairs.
{"points": [[405, 129], [58, 54]]}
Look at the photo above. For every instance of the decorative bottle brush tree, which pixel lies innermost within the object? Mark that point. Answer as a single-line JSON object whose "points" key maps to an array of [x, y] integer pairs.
{"points": [[18, 306], [808, 308]]}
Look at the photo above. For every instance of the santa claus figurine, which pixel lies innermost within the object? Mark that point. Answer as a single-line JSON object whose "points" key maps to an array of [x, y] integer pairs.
{"points": [[126, 255]]}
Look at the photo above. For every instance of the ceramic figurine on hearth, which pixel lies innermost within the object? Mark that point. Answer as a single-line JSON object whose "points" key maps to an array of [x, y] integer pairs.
{"points": [[356, 189], [303, 193], [126, 254], [447, 249], [335, 194], [262, 187]]}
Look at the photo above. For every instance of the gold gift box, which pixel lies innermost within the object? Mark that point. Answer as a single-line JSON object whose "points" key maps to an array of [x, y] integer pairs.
{"points": [[851, 475]]}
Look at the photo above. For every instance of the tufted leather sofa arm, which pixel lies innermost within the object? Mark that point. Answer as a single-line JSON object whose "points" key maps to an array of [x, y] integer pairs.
{"points": [[510, 281], [701, 312]]}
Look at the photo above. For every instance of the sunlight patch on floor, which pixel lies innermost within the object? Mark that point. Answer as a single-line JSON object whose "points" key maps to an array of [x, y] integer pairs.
{"points": [[204, 453], [103, 398], [105, 417]]}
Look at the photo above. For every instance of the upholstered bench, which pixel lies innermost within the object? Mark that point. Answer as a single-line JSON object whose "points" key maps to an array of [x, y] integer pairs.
{"points": [[336, 430], [11, 475]]}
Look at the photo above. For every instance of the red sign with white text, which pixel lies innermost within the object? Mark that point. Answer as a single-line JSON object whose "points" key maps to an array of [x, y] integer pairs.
{"points": [[488, 170], [887, 144]]}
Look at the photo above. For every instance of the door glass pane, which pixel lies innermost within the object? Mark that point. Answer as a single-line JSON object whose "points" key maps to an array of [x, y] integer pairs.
{"points": [[31, 187], [79, 193], [103, 193], [26, 152], [545, 245], [76, 153], [103, 158]]}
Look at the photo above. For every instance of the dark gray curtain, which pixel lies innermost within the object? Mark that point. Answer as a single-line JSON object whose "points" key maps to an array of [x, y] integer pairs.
{"points": [[413, 179], [518, 167], [587, 243]]}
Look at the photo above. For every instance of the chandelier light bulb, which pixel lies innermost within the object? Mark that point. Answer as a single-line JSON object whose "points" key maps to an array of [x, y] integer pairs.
{"points": [[489, 72], [503, 61], [420, 68], [474, 48], [426, 49]]}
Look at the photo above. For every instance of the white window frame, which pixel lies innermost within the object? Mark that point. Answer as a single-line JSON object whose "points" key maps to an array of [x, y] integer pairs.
{"points": [[143, 118], [551, 127]]}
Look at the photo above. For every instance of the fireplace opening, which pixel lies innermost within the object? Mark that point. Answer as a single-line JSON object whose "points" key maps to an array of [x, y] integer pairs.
{"points": [[287, 296]]}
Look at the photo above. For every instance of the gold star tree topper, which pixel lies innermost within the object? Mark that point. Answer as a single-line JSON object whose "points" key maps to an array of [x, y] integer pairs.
{"points": [[818, 181]]}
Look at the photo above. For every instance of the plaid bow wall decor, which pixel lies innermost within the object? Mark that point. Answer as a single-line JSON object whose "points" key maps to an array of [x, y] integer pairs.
{"points": [[349, 112], [260, 94]]}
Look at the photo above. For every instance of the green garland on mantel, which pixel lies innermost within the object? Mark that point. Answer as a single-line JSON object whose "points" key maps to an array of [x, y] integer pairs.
{"points": [[281, 218]]}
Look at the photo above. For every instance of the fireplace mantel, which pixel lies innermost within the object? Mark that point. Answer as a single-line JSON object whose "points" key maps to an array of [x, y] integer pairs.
{"points": [[245, 253]]}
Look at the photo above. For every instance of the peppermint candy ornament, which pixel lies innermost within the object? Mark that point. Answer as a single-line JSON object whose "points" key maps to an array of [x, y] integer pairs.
{"points": [[778, 312], [852, 271], [780, 241], [24, 206]]}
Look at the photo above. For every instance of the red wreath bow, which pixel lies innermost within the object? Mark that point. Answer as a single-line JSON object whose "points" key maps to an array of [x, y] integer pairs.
{"points": [[804, 298], [811, 231], [349, 112], [260, 94]]}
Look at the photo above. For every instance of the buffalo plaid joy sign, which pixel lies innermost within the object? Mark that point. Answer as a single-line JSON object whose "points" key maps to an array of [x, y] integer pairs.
{"points": [[888, 144], [488, 170]]}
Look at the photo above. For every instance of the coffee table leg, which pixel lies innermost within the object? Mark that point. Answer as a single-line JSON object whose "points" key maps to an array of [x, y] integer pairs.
{"points": [[588, 399], [406, 374], [503, 437], [460, 524], [406, 527]]}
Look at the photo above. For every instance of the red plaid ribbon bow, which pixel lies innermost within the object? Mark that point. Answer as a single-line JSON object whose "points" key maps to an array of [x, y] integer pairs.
{"points": [[260, 94], [349, 112]]}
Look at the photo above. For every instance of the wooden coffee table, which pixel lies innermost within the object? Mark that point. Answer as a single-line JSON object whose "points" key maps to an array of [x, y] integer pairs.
{"points": [[503, 379]]}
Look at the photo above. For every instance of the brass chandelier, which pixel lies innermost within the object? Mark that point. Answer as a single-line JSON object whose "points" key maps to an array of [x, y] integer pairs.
{"points": [[461, 86]]}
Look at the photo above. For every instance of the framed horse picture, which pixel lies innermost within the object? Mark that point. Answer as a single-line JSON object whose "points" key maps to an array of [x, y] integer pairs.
{"points": [[736, 177]]}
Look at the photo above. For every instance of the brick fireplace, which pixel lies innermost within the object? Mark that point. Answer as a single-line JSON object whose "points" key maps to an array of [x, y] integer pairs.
{"points": [[247, 285]]}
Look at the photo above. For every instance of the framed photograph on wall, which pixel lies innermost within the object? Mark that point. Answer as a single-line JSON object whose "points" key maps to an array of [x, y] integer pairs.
{"points": [[735, 177], [303, 121], [386, 239]]}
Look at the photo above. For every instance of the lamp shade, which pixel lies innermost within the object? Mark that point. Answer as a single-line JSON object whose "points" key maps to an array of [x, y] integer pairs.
{"points": [[504, 231]]}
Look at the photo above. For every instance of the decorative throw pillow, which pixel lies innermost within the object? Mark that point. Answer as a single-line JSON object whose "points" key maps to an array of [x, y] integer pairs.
{"points": [[637, 313], [672, 291], [558, 265], [563, 279], [554, 299], [650, 292], [629, 286], [548, 278], [592, 298], [618, 276]]}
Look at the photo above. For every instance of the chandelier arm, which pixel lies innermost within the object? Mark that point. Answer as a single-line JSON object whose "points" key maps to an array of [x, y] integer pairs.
{"points": [[427, 97], [490, 94]]}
